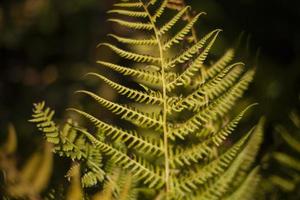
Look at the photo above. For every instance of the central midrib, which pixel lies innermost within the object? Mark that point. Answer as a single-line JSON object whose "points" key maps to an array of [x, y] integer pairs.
{"points": [[165, 128]]}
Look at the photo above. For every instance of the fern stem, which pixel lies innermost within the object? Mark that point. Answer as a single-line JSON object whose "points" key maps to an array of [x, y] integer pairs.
{"points": [[164, 86]]}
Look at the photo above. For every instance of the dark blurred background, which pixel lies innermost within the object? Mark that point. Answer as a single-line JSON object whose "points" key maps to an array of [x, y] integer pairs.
{"points": [[46, 46]]}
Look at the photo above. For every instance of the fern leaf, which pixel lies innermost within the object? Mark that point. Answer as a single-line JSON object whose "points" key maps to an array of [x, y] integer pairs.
{"points": [[129, 13], [66, 141], [223, 81], [148, 76], [189, 53], [45, 123], [166, 27], [216, 189], [151, 98], [253, 147], [284, 183], [192, 154], [287, 160], [131, 56], [186, 77], [133, 25], [127, 113], [213, 168], [160, 10], [290, 140], [129, 5], [247, 189], [213, 88], [220, 64], [146, 42], [122, 135], [181, 34], [216, 108], [139, 168]]}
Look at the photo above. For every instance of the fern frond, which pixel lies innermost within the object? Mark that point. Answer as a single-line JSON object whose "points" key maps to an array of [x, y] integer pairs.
{"points": [[146, 42], [139, 168], [182, 33], [287, 160], [133, 25], [223, 81], [44, 120], [213, 168], [215, 189], [213, 88], [129, 5], [284, 183], [247, 190], [204, 148], [193, 50], [121, 185], [129, 13], [130, 114], [130, 55], [290, 140], [216, 108], [131, 137], [180, 117], [253, 148], [186, 77], [287, 177], [67, 142], [151, 97], [159, 11], [166, 27], [218, 66], [142, 75]]}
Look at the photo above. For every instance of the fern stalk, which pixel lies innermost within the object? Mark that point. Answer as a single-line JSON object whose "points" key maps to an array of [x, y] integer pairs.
{"points": [[164, 84]]}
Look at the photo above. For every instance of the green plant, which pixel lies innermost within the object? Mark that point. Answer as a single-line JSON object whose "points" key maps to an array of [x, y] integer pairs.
{"points": [[287, 176], [180, 144], [29, 180]]}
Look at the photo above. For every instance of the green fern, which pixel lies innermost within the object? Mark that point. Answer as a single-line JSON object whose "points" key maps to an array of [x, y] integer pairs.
{"points": [[189, 101], [289, 178], [68, 143]]}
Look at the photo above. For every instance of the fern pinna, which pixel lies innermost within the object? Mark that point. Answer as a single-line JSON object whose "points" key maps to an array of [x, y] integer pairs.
{"points": [[180, 146], [287, 176]]}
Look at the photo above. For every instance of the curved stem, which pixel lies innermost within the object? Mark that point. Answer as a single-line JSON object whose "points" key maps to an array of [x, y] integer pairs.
{"points": [[165, 128]]}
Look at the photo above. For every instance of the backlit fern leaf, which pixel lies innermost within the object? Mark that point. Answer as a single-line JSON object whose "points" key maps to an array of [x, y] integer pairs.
{"points": [[134, 42], [129, 13], [179, 141], [131, 56], [133, 25], [141, 97], [166, 27], [181, 34], [142, 75], [189, 53]]}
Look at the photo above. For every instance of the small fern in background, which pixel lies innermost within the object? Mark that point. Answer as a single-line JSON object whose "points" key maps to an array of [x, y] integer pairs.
{"points": [[69, 143], [180, 144], [286, 158]]}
